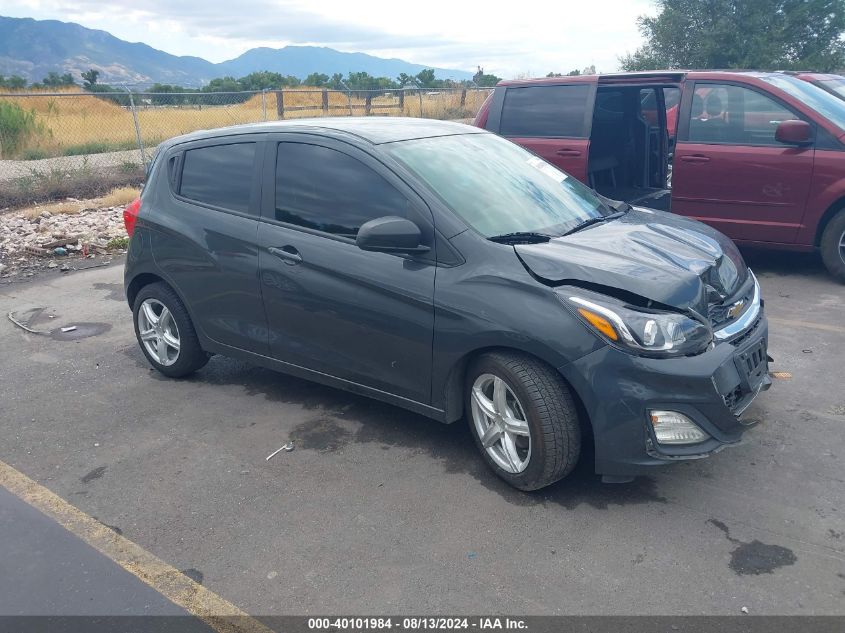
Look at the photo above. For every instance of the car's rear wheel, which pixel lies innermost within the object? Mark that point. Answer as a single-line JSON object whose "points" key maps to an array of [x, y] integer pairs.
{"points": [[833, 246], [523, 419], [165, 332]]}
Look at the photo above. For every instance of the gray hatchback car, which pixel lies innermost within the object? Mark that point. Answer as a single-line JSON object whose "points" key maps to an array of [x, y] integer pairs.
{"points": [[443, 269]]}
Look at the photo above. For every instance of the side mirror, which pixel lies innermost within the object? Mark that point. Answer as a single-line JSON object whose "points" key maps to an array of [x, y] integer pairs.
{"points": [[794, 132], [390, 234]]}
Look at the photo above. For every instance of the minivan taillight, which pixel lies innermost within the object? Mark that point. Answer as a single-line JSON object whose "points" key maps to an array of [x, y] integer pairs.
{"points": [[130, 216]]}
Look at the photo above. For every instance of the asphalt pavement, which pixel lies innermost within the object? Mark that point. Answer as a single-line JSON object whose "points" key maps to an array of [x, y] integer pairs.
{"points": [[378, 510]]}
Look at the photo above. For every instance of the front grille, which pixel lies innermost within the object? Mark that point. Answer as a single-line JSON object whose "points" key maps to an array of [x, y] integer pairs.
{"points": [[739, 340]]}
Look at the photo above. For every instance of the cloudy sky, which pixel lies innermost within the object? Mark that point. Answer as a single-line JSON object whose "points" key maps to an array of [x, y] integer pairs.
{"points": [[530, 37]]}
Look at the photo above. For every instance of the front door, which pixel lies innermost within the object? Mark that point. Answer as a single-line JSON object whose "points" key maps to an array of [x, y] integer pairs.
{"points": [[730, 172], [331, 307]]}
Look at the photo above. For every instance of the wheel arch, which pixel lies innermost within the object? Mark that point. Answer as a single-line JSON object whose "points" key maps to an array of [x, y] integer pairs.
{"points": [[454, 387], [826, 218], [138, 282]]}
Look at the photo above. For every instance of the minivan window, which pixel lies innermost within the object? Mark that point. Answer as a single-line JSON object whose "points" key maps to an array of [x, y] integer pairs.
{"points": [[324, 189], [510, 191], [835, 86], [830, 107], [545, 111], [219, 175], [725, 113]]}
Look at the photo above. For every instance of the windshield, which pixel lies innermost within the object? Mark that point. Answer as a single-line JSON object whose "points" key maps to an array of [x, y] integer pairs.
{"points": [[835, 86], [498, 187], [814, 97]]}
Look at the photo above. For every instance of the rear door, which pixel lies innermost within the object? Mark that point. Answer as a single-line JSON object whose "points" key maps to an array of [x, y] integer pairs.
{"points": [[331, 307], [205, 239], [730, 172], [553, 121]]}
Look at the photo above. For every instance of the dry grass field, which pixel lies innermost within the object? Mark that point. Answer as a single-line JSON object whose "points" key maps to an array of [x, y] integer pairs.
{"points": [[117, 197], [87, 124]]}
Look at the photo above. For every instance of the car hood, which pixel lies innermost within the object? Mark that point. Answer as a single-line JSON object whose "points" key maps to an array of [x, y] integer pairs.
{"points": [[659, 256]]}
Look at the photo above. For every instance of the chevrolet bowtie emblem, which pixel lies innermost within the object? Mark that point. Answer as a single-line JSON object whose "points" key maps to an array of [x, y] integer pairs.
{"points": [[736, 309]]}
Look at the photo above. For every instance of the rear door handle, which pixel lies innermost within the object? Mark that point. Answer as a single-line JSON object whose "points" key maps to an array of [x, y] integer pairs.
{"points": [[695, 158], [568, 152], [287, 253]]}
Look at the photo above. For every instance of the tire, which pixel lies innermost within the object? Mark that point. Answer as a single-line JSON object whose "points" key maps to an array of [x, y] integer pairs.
{"points": [[833, 246], [548, 408], [179, 360]]}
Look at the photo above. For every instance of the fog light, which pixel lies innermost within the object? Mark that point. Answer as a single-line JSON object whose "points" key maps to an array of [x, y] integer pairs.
{"points": [[671, 427]]}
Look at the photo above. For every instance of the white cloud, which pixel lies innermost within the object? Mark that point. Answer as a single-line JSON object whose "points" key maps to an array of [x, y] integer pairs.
{"points": [[527, 38]]}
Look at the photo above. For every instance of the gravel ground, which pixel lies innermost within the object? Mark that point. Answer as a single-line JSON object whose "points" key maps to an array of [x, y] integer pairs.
{"points": [[30, 243]]}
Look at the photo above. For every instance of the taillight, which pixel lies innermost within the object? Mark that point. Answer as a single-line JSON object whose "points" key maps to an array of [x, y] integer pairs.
{"points": [[130, 216]]}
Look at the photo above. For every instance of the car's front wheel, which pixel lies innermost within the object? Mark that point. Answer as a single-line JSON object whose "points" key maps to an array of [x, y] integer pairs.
{"points": [[523, 419], [833, 246], [165, 332]]}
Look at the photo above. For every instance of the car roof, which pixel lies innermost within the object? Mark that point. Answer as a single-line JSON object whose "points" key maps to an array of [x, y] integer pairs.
{"points": [[375, 130], [639, 76]]}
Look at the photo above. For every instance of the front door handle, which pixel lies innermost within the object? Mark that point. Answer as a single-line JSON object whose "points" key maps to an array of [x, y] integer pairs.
{"points": [[568, 152], [287, 253], [695, 158]]}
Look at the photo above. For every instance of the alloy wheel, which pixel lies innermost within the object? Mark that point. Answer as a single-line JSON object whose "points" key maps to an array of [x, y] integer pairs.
{"points": [[158, 332], [501, 423], [842, 246]]}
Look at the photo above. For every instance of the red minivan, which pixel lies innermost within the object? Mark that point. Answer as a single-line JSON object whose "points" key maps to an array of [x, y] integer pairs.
{"points": [[759, 156]]}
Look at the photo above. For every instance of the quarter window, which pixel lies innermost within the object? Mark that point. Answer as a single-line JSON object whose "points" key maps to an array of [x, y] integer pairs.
{"points": [[545, 111], [734, 115], [219, 175], [327, 190]]}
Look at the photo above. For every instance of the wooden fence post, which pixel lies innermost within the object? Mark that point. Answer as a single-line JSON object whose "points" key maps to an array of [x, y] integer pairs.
{"points": [[280, 104], [463, 98], [325, 102], [402, 101], [368, 104]]}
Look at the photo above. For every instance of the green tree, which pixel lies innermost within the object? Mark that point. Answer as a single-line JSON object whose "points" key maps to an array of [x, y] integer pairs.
{"points": [[14, 82], [426, 78], [775, 34], [482, 79], [404, 80], [55, 80], [318, 80], [89, 78]]}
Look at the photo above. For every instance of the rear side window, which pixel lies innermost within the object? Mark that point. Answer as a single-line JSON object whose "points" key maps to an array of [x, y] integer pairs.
{"points": [[326, 190], [545, 111], [219, 175]]}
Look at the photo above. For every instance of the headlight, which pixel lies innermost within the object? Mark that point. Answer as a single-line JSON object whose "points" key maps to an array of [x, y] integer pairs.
{"points": [[644, 331]]}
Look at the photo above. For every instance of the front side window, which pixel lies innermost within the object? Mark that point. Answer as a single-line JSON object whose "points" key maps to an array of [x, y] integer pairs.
{"points": [[326, 190], [510, 190], [723, 113], [545, 111], [219, 175]]}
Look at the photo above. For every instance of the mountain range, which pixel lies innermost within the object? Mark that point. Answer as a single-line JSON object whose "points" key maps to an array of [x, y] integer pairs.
{"points": [[32, 48]]}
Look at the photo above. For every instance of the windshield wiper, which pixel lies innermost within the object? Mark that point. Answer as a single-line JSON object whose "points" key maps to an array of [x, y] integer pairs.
{"points": [[521, 237], [596, 220]]}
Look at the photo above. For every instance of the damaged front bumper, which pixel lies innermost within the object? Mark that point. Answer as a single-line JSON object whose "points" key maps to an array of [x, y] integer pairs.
{"points": [[712, 389]]}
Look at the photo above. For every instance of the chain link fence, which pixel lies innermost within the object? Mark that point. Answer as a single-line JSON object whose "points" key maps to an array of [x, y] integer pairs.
{"points": [[60, 144]]}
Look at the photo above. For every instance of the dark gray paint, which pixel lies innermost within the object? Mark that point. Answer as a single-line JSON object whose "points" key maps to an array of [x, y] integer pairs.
{"points": [[402, 328]]}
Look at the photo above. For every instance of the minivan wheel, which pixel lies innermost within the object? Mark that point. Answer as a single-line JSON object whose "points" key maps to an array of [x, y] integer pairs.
{"points": [[833, 246], [523, 419], [165, 332]]}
